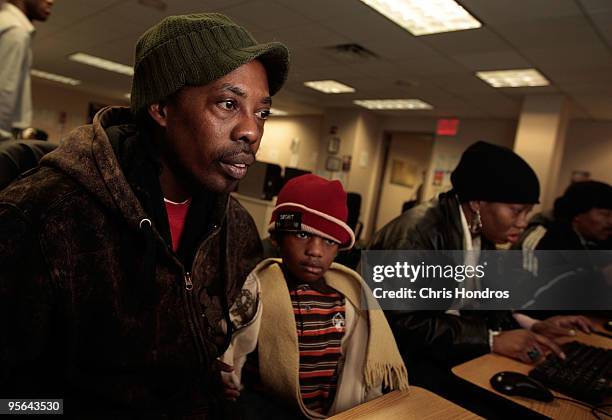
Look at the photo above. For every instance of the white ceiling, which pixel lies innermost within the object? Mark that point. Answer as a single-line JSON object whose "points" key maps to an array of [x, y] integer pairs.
{"points": [[569, 41]]}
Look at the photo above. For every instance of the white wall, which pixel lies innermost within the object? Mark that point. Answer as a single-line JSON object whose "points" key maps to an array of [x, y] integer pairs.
{"points": [[588, 147], [360, 136], [280, 132], [51, 99]]}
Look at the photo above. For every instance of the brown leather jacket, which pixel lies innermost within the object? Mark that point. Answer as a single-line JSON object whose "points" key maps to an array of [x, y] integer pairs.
{"points": [[94, 305]]}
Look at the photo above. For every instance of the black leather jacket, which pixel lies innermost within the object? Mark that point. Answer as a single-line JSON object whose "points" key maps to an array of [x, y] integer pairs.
{"points": [[436, 225]]}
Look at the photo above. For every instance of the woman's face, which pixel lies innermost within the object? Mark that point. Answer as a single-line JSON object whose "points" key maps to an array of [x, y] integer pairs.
{"points": [[502, 222]]}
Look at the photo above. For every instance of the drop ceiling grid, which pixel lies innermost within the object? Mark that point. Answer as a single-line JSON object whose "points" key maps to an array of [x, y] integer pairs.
{"points": [[572, 49]]}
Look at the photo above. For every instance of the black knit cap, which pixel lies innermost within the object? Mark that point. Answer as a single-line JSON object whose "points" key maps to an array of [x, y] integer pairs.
{"points": [[487, 172], [195, 50], [581, 197]]}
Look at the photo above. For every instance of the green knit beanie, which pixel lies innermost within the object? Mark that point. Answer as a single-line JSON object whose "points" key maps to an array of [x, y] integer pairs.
{"points": [[194, 50]]}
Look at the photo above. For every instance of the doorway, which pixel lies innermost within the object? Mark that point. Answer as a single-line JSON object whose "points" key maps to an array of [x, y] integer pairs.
{"points": [[407, 158]]}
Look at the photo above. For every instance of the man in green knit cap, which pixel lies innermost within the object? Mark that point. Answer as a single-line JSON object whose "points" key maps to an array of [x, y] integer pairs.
{"points": [[123, 251]]}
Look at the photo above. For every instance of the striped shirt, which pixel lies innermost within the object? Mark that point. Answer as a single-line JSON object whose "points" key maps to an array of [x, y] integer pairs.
{"points": [[320, 323]]}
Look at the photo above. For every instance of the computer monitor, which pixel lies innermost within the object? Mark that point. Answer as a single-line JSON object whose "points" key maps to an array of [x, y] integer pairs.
{"points": [[263, 181], [292, 173]]}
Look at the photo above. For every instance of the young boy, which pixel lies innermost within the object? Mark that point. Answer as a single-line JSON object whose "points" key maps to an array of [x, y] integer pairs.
{"points": [[317, 349]]}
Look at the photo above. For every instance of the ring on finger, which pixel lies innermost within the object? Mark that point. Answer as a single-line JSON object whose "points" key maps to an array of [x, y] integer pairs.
{"points": [[534, 354]]}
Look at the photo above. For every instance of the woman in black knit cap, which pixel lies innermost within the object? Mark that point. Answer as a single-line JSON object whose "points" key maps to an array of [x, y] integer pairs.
{"points": [[494, 190]]}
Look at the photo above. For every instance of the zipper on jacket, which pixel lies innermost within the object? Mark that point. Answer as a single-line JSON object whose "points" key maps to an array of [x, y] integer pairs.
{"points": [[188, 282]]}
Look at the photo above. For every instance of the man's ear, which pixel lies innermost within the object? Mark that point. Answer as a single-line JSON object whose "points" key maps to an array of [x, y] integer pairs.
{"points": [[157, 111]]}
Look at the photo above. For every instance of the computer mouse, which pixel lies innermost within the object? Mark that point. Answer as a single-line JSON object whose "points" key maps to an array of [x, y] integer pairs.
{"points": [[517, 384]]}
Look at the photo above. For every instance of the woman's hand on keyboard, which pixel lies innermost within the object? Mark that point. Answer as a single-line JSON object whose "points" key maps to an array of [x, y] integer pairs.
{"points": [[524, 345], [562, 326]]}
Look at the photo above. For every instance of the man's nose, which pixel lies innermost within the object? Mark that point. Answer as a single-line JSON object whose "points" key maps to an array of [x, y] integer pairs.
{"points": [[248, 129]]}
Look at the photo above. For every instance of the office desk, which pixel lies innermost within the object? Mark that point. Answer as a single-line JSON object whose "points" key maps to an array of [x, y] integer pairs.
{"points": [[416, 403], [479, 371]]}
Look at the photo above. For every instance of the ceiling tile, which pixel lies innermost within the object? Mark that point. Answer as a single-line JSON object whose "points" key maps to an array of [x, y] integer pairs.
{"points": [[465, 42], [509, 11], [493, 60], [550, 33]]}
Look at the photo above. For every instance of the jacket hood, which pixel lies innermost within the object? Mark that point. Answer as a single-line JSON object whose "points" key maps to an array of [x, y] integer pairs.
{"points": [[12, 17], [87, 156]]}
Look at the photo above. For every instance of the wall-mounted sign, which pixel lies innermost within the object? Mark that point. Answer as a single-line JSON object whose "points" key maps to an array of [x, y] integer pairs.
{"points": [[447, 127]]}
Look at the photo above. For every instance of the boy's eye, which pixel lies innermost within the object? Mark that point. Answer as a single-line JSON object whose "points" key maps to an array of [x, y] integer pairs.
{"points": [[330, 242], [302, 235]]}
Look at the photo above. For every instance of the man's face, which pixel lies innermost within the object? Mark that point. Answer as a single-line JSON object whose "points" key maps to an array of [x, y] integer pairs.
{"points": [[306, 256], [213, 131], [502, 222], [594, 225], [38, 9]]}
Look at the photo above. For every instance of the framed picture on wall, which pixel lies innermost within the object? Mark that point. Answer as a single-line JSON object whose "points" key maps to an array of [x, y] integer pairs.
{"points": [[333, 164], [333, 146], [403, 173]]}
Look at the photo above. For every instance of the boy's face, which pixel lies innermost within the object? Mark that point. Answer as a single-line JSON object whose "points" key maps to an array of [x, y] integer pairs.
{"points": [[306, 256]]}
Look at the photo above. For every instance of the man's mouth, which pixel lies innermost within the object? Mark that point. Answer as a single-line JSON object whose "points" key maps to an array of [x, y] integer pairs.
{"points": [[236, 170]]}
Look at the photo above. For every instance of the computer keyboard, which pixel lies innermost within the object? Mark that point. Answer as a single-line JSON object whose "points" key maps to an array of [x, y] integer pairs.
{"points": [[586, 374]]}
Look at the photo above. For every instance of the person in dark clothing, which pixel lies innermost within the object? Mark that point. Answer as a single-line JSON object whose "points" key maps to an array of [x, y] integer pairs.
{"points": [[581, 220], [18, 156], [577, 231], [123, 251], [493, 191]]}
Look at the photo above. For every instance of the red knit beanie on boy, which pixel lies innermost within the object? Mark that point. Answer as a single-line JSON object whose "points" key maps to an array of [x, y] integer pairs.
{"points": [[313, 204]]}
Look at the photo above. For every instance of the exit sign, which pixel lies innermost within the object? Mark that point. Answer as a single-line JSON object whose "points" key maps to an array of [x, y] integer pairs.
{"points": [[447, 127]]}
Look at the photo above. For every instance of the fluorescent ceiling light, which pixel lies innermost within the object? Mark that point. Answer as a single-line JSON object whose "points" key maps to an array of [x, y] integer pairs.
{"points": [[102, 63], [423, 17], [329, 86], [513, 78], [55, 77], [277, 112], [392, 104]]}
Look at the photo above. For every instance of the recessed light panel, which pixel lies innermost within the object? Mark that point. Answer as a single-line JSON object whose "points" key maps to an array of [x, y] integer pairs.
{"points": [[102, 63], [513, 78], [329, 86], [55, 77], [393, 104], [423, 17]]}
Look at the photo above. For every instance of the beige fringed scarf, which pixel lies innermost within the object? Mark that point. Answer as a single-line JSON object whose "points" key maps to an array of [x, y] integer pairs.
{"points": [[365, 367]]}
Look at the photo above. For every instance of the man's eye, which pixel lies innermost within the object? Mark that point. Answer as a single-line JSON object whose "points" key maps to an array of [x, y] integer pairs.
{"points": [[263, 114], [228, 104]]}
